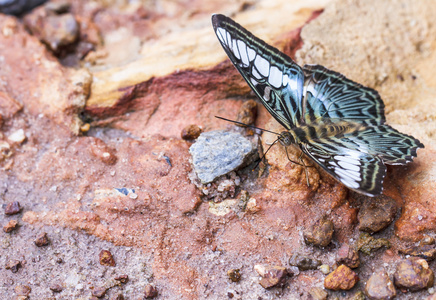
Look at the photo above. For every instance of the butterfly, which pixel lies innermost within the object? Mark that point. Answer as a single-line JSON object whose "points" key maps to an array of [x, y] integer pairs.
{"points": [[337, 122]]}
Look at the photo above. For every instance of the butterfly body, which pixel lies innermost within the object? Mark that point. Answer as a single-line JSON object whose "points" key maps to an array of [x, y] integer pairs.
{"points": [[337, 122]]}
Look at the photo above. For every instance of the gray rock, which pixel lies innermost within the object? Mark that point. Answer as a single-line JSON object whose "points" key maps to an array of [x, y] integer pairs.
{"points": [[219, 152], [17, 7]]}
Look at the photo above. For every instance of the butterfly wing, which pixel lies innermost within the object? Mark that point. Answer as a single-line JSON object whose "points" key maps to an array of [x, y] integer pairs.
{"points": [[274, 77], [357, 170], [357, 159], [330, 95]]}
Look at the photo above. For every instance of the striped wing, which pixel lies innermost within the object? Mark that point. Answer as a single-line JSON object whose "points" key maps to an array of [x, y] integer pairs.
{"points": [[358, 171], [329, 95], [357, 159], [273, 76]]}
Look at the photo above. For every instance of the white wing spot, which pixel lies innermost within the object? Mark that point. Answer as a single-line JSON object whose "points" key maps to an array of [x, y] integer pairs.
{"points": [[348, 174], [348, 166], [262, 65], [220, 34], [255, 73], [349, 183], [266, 93], [235, 49], [243, 51], [275, 77], [251, 53]]}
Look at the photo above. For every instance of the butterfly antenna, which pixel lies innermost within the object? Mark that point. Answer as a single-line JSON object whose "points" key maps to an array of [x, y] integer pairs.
{"points": [[246, 125]]}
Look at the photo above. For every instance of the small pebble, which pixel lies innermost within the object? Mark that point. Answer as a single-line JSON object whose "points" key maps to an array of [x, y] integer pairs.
{"points": [[380, 287], [117, 297], [150, 292], [234, 275], [12, 208], [368, 244], [318, 293], [17, 136], [376, 214], [5, 150], [122, 278], [348, 256], [11, 226], [22, 290], [56, 288], [357, 296], [325, 269], [191, 132], [13, 265], [427, 240], [99, 292], [320, 234], [343, 278], [271, 276], [85, 127], [42, 240], [413, 274], [106, 258], [247, 113], [304, 263], [252, 206], [101, 151]]}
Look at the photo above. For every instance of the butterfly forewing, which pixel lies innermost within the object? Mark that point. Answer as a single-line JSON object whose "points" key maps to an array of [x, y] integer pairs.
{"points": [[338, 123], [274, 77]]}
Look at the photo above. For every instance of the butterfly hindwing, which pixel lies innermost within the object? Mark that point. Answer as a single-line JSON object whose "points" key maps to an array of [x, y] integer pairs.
{"points": [[392, 146], [273, 76], [330, 95], [357, 170]]}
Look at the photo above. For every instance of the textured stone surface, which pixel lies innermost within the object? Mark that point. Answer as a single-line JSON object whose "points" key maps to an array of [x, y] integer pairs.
{"points": [[343, 278], [380, 287], [376, 214], [216, 153], [413, 274], [157, 69]]}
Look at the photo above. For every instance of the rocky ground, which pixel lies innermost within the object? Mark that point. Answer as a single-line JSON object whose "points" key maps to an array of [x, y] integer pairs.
{"points": [[100, 103]]}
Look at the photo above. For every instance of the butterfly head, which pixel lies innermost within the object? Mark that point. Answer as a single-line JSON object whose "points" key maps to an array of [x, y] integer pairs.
{"points": [[286, 138]]}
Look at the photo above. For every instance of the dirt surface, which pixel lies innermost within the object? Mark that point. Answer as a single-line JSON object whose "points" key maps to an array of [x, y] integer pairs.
{"points": [[91, 149]]}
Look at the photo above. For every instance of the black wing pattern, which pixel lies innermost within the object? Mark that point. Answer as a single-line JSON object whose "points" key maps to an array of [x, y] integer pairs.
{"points": [[357, 170], [330, 95], [338, 123], [357, 159], [273, 76]]}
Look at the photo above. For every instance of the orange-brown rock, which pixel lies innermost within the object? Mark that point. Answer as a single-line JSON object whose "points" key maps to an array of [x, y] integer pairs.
{"points": [[343, 278]]}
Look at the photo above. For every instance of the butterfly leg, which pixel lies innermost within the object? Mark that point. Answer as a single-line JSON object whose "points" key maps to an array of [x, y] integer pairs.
{"points": [[305, 168], [287, 154], [300, 158]]}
